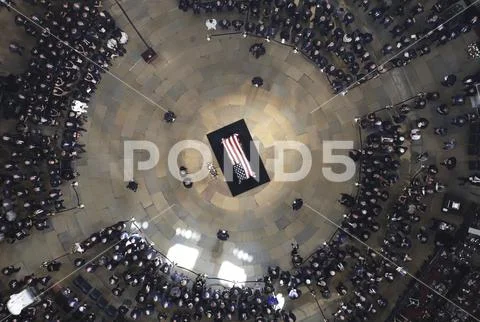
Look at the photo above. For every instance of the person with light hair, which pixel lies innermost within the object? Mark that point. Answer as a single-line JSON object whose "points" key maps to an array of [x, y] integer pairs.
{"points": [[79, 107], [211, 24], [223, 235]]}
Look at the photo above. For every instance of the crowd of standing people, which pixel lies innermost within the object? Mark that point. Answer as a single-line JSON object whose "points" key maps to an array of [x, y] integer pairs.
{"points": [[415, 30], [322, 32], [47, 105], [327, 35], [358, 274], [387, 140], [453, 271], [155, 287]]}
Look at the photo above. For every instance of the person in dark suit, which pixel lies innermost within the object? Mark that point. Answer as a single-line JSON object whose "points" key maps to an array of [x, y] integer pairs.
{"points": [[52, 266], [449, 80], [132, 185], [297, 204], [257, 81], [223, 235], [450, 163], [9, 270], [169, 117], [257, 50]]}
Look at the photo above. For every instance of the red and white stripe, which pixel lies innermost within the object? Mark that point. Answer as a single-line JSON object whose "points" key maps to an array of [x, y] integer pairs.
{"points": [[237, 155]]}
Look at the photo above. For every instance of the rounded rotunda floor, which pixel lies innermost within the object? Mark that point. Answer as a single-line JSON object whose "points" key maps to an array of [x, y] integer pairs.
{"points": [[207, 84]]}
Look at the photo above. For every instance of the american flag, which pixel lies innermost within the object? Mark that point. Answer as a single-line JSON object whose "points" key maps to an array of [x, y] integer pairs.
{"points": [[237, 156]]}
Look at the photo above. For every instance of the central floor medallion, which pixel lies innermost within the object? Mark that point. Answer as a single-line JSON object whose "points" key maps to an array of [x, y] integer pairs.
{"points": [[238, 157]]}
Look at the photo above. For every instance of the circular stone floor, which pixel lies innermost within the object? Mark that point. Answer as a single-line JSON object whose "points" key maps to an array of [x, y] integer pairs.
{"points": [[207, 84]]}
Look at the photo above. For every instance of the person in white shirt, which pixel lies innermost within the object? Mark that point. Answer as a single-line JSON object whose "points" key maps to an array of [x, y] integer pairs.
{"points": [[123, 38], [415, 135], [473, 180], [211, 24], [79, 107], [112, 44]]}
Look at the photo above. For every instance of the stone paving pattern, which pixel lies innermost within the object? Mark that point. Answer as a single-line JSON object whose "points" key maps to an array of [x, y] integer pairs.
{"points": [[207, 84]]}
